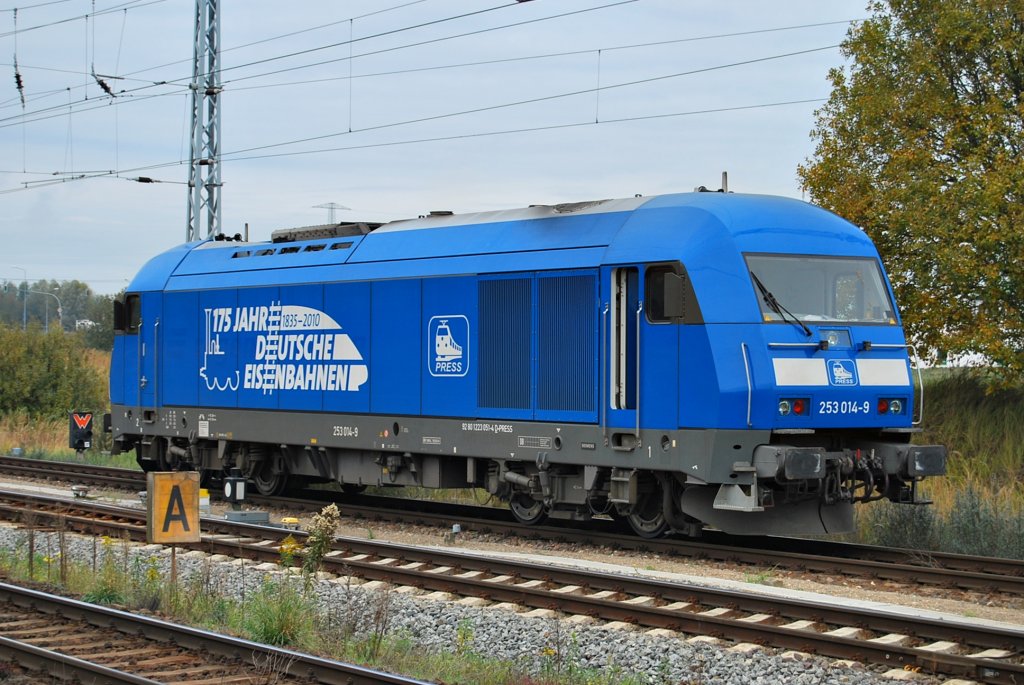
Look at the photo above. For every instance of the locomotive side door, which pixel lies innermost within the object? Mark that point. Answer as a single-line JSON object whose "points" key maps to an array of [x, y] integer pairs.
{"points": [[640, 369], [148, 349], [621, 320]]}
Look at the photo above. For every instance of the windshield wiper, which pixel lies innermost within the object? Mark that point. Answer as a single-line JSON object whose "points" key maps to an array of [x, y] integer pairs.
{"points": [[777, 307]]}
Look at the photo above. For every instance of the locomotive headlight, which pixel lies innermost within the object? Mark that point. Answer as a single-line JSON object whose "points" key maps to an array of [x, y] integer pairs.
{"points": [[890, 405], [797, 407], [833, 338]]}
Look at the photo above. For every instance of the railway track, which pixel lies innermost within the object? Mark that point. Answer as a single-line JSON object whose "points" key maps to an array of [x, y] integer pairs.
{"points": [[67, 639], [911, 567], [984, 652], [63, 470]]}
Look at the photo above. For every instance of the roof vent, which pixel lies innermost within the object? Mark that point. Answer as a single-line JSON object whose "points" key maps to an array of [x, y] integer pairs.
{"points": [[289, 235], [570, 207]]}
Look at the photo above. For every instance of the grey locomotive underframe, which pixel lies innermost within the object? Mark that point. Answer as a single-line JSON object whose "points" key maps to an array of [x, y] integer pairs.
{"points": [[574, 469]]}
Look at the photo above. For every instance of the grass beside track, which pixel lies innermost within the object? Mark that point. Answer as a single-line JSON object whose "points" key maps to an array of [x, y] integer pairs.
{"points": [[48, 439], [284, 612], [979, 505]]}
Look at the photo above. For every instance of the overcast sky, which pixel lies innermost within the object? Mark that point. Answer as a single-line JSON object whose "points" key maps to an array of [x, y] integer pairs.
{"points": [[611, 114]]}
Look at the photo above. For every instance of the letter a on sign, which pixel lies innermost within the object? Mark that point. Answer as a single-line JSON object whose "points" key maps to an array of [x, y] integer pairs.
{"points": [[173, 507]]}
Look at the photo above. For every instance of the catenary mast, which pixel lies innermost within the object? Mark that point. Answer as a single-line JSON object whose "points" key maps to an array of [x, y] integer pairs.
{"points": [[204, 180]]}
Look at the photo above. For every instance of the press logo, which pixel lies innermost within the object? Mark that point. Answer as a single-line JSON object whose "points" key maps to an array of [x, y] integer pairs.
{"points": [[842, 372], [448, 340]]}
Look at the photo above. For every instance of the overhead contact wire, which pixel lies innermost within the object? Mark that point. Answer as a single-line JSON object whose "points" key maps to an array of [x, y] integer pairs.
{"points": [[530, 101], [462, 136], [185, 81], [132, 4]]}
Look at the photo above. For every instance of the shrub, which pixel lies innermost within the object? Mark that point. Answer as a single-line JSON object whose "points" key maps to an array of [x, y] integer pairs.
{"points": [[979, 524], [318, 543], [279, 615], [104, 594], [899, 525], [45, 375], [976, 522]]}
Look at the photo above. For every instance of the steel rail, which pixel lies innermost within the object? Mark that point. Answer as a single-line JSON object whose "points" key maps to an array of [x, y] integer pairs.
{"points": [[811, 556], [63, 666], [613, 597], [300, 665], [59, 470]]}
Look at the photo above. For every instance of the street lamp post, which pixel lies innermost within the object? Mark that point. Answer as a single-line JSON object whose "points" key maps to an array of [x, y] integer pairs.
{"points": [[60, 308], [24, 302]]}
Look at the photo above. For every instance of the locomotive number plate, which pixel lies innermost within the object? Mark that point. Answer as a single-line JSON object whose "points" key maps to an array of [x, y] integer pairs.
{"points": [[843, 407]]}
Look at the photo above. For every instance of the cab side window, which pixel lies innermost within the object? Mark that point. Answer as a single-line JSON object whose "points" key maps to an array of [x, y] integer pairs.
{"points": [[668, 295], [127, 315]]}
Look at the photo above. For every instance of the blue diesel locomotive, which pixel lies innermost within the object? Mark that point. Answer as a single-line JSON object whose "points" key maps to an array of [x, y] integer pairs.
{"points": [[690, 359]]}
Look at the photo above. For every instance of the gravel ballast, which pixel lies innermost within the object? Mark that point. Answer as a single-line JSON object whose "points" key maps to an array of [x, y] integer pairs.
{"points": [[539, 644]]}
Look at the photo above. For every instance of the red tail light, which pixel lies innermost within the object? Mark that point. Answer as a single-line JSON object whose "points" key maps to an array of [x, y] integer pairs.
{"points": [[796, 407], [891, 405]]}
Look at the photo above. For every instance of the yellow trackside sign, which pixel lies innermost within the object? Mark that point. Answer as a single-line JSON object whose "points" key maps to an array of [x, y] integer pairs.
{"points": [[172, 504]]}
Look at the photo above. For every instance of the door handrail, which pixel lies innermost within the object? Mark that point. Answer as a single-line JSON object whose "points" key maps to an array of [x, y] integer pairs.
{"points": [[605, 386], [639, 310], [156, 362]]}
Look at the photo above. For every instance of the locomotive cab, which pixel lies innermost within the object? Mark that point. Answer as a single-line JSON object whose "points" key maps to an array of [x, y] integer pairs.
{"points": [[841, 408]]}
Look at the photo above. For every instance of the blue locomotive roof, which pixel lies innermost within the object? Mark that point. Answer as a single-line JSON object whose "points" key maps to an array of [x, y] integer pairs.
{"points": [[708, 232]]}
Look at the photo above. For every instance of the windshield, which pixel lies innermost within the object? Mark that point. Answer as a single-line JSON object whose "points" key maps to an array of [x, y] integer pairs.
{"points": [[834, 289]]}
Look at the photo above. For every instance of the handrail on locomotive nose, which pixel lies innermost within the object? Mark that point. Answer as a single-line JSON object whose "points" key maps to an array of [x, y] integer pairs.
{"points": [[815, 345], [912, 349]]}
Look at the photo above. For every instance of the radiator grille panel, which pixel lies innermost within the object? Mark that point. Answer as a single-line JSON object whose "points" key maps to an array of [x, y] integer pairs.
{"points": [[566, 343], [505, 338]]}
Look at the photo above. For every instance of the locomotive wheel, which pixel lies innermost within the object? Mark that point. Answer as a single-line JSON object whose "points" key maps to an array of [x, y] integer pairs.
{"points": [[647, 518], [526, 509], [649, 528], [268, 483], [164, 461], [352, 488], [209, 479]]}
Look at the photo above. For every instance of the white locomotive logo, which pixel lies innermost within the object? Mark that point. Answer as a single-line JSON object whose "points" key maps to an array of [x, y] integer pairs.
{"points": [[445, 346], [842, 372], [212, 349], [449, 355], [296, 348]]}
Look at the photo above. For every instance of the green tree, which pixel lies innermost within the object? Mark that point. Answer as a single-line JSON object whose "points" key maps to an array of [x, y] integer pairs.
{"points": [[46, 374], [74, 297], [99, 334], [80, 309], [920, 144], [11, 301]]}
